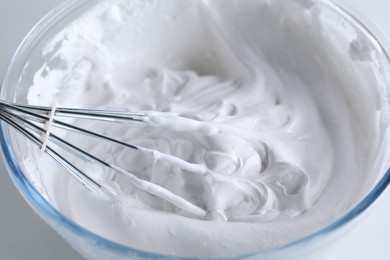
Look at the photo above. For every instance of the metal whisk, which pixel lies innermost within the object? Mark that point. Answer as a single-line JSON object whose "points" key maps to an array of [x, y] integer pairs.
{"points": [[35, 123]]}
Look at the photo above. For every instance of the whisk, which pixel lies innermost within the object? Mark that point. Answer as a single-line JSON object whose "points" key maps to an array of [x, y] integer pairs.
{"points": [[36, 122]]}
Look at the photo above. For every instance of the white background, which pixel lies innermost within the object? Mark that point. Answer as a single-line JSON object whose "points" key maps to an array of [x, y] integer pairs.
{"points": [[23, 235]]}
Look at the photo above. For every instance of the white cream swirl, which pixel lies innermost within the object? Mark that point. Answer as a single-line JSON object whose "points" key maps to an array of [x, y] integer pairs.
{"points": [[245, 90]]}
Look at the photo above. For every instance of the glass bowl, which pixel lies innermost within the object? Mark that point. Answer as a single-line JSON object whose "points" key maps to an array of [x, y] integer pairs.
{"points": [[28, 58]]}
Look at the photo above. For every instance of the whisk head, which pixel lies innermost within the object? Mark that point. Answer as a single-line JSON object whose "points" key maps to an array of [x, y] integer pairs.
{"points": [[37, 122]]}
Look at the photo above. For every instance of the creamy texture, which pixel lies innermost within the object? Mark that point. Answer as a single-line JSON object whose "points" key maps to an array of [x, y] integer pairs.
{"points": [[258, 95]]}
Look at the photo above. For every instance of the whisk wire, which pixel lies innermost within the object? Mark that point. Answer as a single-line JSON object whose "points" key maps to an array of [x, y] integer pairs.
{"points": [[24, 118], [75, 172], [93, 114]]}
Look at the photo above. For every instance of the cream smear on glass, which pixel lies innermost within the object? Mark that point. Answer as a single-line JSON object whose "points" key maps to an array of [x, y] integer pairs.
{"points": [[260, 94]]}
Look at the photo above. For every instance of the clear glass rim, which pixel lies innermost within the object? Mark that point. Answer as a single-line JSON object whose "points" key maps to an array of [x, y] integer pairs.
{"points": [[42, 206]]}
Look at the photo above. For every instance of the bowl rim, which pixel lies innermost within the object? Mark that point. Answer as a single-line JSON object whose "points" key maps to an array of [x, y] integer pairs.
{"points": [[43, 208]]}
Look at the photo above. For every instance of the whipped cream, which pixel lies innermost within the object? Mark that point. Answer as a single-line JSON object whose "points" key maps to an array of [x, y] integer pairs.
{"points": [[265, 100]]}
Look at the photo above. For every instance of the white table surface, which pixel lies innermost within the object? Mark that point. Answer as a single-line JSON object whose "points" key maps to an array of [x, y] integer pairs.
{"points": [[23, 235]]}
